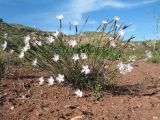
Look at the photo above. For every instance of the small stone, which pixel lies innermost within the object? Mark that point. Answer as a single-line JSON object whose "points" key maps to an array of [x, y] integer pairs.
{"points": [[138, 106], [155, 118], [23, 96], [12, 107], [78, 118]]}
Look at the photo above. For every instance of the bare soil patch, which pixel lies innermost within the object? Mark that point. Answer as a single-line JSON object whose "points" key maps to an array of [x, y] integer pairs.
{"points": [[137, 97]]}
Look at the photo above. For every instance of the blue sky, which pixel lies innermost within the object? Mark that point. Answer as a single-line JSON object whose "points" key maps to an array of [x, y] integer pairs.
{"points": [[41, 13]]}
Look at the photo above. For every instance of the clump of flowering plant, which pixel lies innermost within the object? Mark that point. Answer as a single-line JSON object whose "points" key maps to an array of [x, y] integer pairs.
{"points": [[83, 61]]}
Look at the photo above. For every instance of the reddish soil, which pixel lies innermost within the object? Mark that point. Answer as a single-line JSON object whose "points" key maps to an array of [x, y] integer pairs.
{"points": [[137, 97]]}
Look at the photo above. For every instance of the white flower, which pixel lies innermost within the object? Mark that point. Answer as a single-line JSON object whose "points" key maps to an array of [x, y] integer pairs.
{"points": [[26, 47], [81, 34], [60, 17], [50, 39], [34, 63], [124, 68], [75, 57], [11, 51], [83, 56], [34, 38], [56, 34], [85, 69], [50, 81], [56, 57], [148, 53], [39, 43], [60, 78], [27, 39], [132, 58], [21, 55], [41, 80], [75, 23], [104, 22], [112, 43], [5, 35], [116, 18], [121, 33], [72, 43], [129, 67], [78, 93], [4, 45], [36, 42], [117, 25], [122, 44]]}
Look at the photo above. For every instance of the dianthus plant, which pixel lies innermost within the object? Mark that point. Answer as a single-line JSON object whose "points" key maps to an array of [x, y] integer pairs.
{"points": [[84, 60]]}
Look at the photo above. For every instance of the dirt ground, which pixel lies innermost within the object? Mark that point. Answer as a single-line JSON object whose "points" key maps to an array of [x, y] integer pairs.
{"points": [[137, 97]]}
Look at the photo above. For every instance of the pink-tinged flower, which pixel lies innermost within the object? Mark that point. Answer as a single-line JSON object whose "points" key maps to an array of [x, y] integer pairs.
{"points": [[85, 69], [78, 93], [60, 17], [60, 78]]}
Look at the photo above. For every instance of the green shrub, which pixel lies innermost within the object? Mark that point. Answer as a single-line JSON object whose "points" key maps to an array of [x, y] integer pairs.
{"points": [[155, 48]]}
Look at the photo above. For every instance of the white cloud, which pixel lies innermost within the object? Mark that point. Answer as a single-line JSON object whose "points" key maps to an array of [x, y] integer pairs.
{"points": [[73, 10], [77, 8]]}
